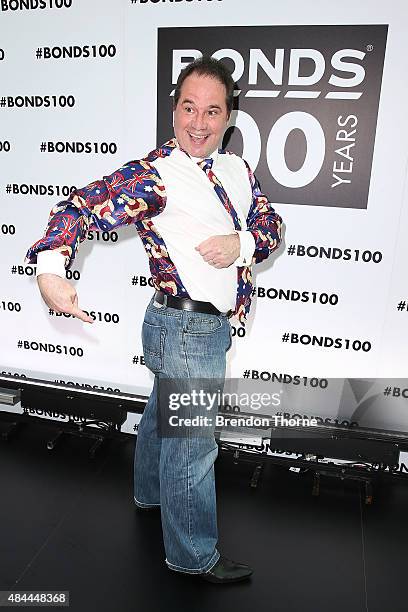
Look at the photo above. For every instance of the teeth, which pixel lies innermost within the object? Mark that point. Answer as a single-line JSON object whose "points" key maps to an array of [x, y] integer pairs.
{"points": [[199, 137]]}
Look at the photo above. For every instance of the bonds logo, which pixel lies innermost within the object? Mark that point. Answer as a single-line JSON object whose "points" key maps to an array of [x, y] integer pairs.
{"points": [[306, 103]]}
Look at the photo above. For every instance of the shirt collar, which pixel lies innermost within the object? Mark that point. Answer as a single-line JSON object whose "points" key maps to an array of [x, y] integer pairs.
{"points": [[213, 155]]}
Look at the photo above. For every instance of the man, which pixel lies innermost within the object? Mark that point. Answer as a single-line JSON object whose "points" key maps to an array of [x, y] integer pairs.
{"points": [[203, 222]]}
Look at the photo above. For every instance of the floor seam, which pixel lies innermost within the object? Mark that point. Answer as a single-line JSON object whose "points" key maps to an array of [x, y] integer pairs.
{"points": [[363, 552]]}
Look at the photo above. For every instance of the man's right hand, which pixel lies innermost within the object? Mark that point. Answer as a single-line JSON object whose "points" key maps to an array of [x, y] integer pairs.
{"points": [[59, 295]]}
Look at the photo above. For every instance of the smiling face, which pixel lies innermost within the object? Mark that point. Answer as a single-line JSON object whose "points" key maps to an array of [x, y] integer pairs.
{"points": [[201, 116]]}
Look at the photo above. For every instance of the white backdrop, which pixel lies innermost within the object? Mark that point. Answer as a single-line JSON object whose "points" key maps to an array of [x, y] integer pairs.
{"points": [[114, 101]]}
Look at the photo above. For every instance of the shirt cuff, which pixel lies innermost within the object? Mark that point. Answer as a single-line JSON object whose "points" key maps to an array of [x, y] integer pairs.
{"points": [[247, 249], [51, 262]]}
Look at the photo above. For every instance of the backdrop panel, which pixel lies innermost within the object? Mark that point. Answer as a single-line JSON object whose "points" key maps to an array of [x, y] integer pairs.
{"points": [[321, 118]]}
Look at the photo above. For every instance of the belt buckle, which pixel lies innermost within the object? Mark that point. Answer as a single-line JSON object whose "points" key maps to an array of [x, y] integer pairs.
{"points": [[164, 299]]}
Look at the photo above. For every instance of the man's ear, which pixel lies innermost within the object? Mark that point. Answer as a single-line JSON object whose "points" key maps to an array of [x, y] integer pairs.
{"points": [[174, 109]]}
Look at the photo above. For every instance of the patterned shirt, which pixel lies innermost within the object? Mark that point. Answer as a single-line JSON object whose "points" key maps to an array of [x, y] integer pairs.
{"points": [[135, 194]]}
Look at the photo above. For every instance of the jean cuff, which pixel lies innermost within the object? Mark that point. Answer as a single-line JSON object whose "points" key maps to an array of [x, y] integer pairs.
{"points": [[207, 567], [143, 505]]}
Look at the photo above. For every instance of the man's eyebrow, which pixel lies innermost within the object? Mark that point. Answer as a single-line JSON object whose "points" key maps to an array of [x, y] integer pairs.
{"points": [[187, 101]]}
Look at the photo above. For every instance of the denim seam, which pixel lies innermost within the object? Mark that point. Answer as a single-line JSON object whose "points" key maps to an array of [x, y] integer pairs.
{"points": [[192, 332], [143, 505], [158, 311], [202, 570], [188, 462], [189, 513], [183, 342]]}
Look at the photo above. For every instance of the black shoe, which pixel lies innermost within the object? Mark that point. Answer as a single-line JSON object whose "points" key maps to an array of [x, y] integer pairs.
{"points": [[225, 571]]}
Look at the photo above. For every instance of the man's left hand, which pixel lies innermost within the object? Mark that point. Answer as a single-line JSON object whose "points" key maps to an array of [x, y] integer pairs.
{"points": [[220, 251]]}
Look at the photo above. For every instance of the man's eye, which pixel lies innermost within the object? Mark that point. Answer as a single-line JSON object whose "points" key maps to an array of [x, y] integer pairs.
{"points": [[188, 109]]}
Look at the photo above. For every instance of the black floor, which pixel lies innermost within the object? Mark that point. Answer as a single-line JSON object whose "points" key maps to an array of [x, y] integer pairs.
{"points": [[69, 523]]}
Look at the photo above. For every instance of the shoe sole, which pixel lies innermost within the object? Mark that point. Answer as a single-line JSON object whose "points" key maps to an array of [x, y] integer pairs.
{"points": [[227, 581]]}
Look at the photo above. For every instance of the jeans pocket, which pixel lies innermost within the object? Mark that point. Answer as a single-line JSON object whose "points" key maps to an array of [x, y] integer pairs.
{"points": [[153, 345], [203, 324]]}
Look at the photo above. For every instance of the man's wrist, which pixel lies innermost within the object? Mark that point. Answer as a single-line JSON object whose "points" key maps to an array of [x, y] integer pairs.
{"points": [[50, 262], [247, 248]]}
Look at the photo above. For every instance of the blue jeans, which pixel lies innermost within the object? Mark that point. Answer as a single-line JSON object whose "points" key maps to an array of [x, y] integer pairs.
{"points": [[177, 473]]}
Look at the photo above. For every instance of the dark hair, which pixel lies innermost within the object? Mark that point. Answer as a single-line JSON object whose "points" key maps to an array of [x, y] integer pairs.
{"points": [[208, 66]]}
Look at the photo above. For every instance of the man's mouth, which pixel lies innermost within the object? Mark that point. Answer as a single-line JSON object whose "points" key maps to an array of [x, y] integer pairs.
{"points": [[198, 138]]}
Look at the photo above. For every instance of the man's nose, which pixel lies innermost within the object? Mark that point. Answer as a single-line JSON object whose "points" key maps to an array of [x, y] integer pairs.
{"points": [[199, 121]]}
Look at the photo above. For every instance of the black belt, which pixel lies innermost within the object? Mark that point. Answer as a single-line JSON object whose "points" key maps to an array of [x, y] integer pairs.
{"points": [[187, 304]]}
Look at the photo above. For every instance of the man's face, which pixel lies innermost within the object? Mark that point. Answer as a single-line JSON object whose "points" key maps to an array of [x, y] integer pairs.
{"points": [[200, 117]]}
